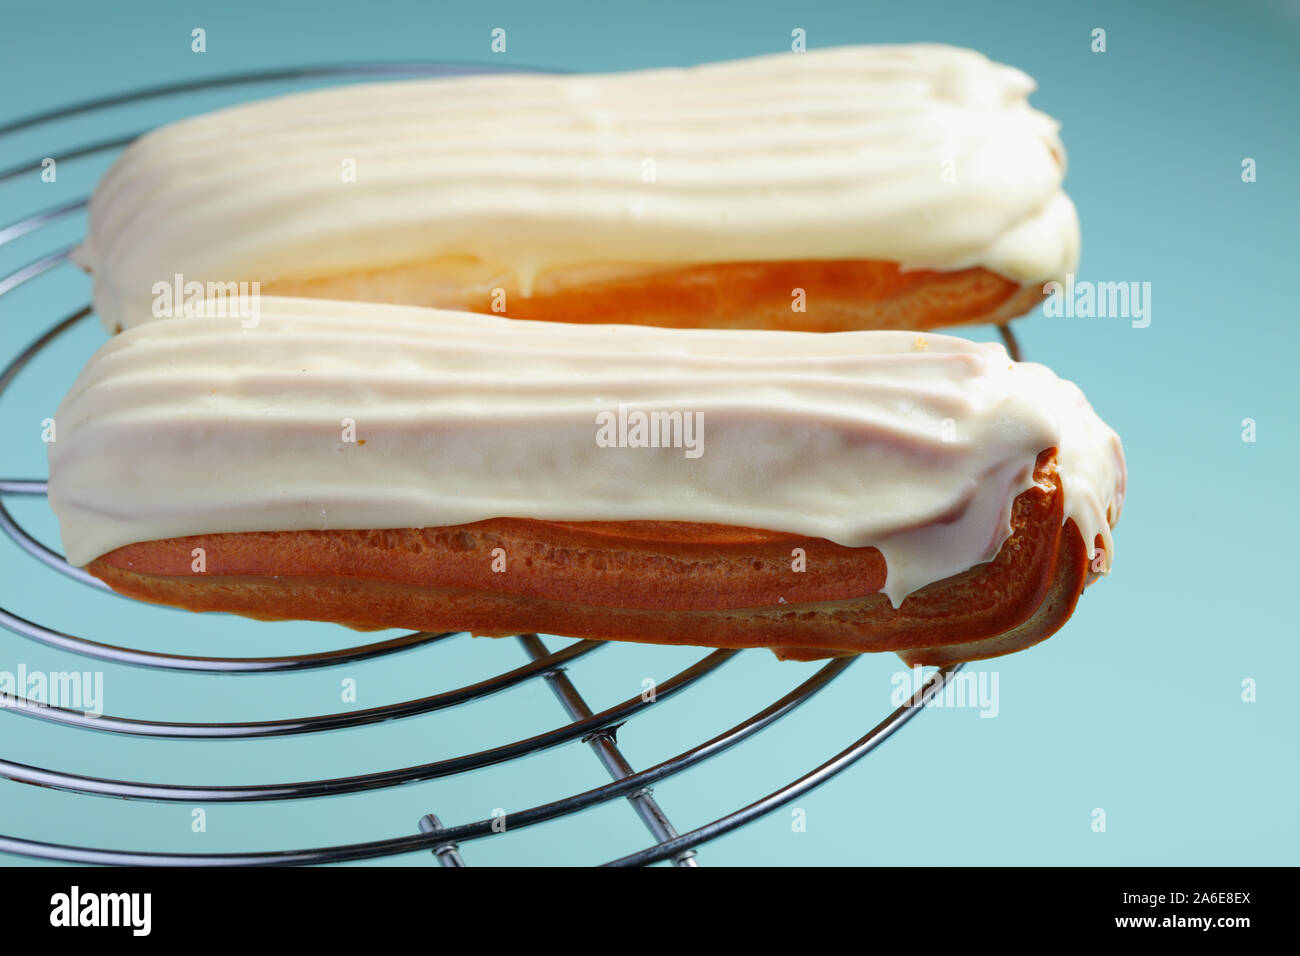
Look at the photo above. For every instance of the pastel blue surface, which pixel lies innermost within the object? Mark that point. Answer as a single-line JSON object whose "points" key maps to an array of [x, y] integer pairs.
{"points": [[1135, 708]]}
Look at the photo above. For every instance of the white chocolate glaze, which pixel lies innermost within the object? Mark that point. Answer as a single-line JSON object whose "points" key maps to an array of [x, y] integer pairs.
{"points": [[925, 155], [916, 445]]}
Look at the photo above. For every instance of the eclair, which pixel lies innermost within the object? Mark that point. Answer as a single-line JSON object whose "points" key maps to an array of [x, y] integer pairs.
{"points": [[869, 187], [388, 466]]}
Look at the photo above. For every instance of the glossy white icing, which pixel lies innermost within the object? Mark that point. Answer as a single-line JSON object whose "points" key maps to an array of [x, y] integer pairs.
{"points": [[916, 445], [926, 155]]}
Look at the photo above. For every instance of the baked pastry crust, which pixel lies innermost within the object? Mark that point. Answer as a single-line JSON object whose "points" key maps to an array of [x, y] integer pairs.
{"points": [[710, 178], [648, 581], [834, 296]]}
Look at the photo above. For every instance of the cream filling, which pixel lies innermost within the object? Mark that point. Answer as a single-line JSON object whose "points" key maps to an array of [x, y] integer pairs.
{"points": [[330, 415], [926, 155]]}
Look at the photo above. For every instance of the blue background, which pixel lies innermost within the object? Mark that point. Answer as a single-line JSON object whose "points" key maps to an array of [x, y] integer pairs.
{"points": [[1134, 708]]}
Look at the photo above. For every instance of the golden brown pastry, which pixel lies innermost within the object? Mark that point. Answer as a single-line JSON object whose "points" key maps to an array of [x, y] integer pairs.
{"points": [[815, 494], [837, 296], [871, 187], [655, 582]]}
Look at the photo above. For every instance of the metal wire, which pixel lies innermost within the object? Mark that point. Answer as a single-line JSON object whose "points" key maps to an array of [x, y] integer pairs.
{"points": [[1010, 341], [604, 744], [597, 729]]}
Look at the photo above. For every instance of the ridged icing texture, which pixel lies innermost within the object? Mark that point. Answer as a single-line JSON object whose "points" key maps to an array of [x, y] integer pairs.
{"points": [[916, 445], [926, 155]]}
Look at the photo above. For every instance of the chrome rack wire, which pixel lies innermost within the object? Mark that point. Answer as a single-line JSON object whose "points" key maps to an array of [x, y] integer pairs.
{"points": [[599, 730]]}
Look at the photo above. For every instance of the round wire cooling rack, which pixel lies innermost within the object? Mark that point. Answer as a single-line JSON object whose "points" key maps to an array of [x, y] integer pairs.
{"points": [[598, 730]]}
